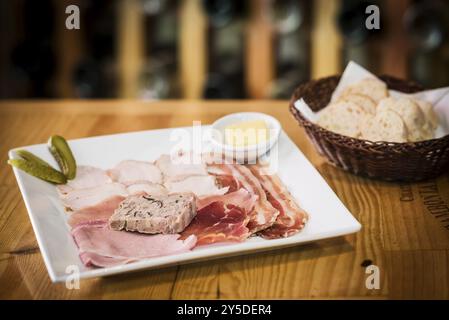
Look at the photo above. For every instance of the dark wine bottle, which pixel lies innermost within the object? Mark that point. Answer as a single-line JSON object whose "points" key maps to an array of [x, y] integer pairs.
{"points": [[95, 75], [292, 26], [33, 58], [351, 21], [222, 86], [286, 15], [427, 24], [223, 12], [226, 39], [158, 78]]}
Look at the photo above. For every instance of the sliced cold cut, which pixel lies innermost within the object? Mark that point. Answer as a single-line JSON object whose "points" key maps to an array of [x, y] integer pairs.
{"points": [[201, 186], [180, 167], [101, 211], [131, 172], [264, 214], [86, 177], [291, 218], [88, 197], [241, 198], [102, 247], [218, 222]]}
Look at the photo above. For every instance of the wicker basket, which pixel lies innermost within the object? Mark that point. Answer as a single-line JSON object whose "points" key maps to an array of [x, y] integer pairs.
{"points": [[411, 161]]}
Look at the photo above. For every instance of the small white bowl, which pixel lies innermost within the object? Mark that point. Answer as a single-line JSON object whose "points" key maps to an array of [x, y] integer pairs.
{"points": [[244, 153]]}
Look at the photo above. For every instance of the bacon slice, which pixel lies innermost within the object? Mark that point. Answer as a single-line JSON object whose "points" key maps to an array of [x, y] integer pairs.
{"points": [[264, 214], [218, 222], [291, 218], [228, 181], [131, 172], [241, 198], [99, 246], [224, 177], [86, 177]]}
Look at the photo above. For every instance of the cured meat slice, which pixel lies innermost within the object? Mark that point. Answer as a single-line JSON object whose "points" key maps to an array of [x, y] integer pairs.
{"points": [[88, 197], [264, 214], [218, 222], [153, 189], [228, 181], [101, 247], [201, 186], [224, 177], [241, 198], [86, 177], [102, 211], [105, 208], [180, 167], [131, 172], [291, 218]]}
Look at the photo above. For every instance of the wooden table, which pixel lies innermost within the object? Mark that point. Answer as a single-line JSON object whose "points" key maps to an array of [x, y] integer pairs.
{"points": [[405, 226]]}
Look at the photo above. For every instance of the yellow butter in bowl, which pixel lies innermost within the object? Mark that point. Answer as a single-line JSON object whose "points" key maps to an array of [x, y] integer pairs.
{"points": [[246, 133]]}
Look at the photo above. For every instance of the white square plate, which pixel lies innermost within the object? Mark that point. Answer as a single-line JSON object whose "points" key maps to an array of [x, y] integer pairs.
{"points": [[328, 218]]}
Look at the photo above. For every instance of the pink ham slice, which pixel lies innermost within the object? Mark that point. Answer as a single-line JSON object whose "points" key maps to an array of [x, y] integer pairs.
{"points": [[102, 211], [218, 222], [264, 214], [131, 172], [291, 218], [105, 208], [86, 177], [101, 247], [91, 197]]}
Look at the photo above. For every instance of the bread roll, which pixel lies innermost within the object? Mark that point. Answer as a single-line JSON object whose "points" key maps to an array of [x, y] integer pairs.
{"points": [[343, 118], [386, 125], [417, 127], [373, 88], [362, 100]]}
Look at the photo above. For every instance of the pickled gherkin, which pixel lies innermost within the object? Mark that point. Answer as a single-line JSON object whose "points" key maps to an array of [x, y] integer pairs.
{"points": [[31, 157], [61, 151], [39, 170]]}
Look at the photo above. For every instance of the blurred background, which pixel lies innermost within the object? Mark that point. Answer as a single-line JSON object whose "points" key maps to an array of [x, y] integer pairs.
{"points": [[212, 49]]}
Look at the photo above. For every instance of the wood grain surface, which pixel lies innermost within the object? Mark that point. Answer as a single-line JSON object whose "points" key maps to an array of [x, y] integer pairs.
{"points": [[405, 226]]}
